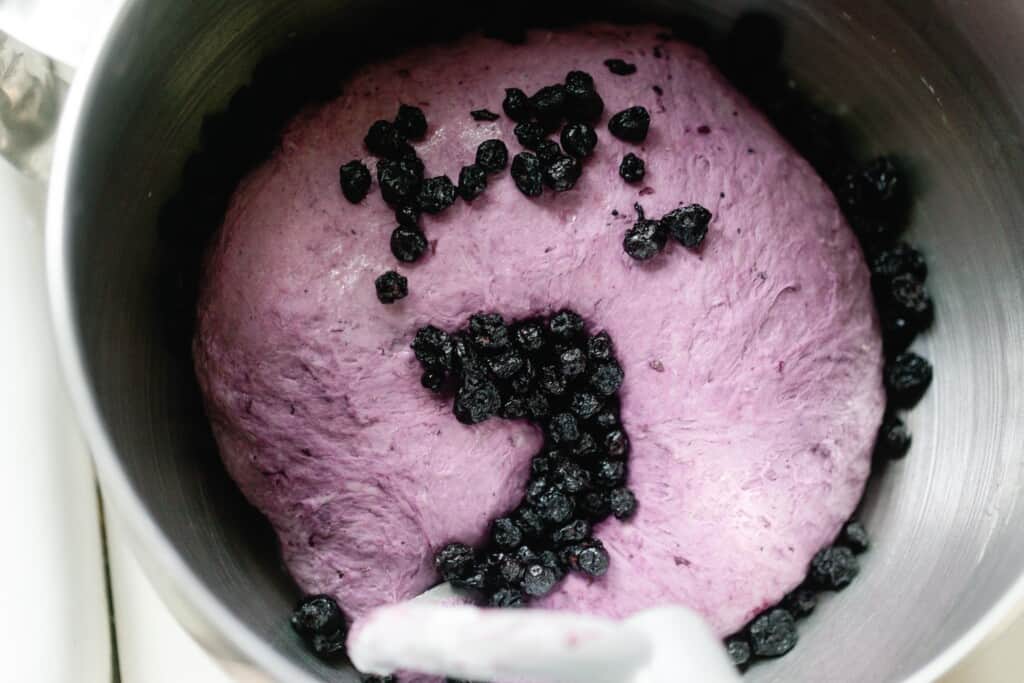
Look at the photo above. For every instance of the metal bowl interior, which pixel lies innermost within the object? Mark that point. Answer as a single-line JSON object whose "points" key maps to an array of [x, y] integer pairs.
{"points": [[933, 80]]}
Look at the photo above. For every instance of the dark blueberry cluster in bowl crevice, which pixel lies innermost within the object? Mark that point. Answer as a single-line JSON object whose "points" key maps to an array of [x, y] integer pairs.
{"points": [[551, 372]]}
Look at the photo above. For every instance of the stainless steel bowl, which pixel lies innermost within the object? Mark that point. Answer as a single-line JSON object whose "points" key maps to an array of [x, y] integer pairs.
{"points": [[935, 80]]}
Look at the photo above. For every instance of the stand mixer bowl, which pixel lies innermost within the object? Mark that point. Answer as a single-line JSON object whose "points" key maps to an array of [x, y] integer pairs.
{"points": [[935, 81]]}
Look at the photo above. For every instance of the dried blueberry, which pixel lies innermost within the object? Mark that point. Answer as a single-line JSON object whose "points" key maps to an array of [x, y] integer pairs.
{"points": [[549, 104], [630, 125], [530, 134], [900, 259], [484, 115], [410, 122], [506, 597], [565, 325], [526, 555], [622, 502], [579, 81], [432, 379], [529, 336], [555, 507], [516, 104], [492, 155], [455, 561], [834, 567], [645, 239], [475, 580], [599, 347], [585, 448], [632, 168], [436, 194], [320, 622], [505, 365], [477, 399], [538, 580], [904, 296], [570, 477], [620, 67], [489, 332], [876, 190], [561, 174], [571, 533], [548, 152], [391, 287], [739, 651], [855, 537], [801, 601], [773, 634], [610, 473], [687, 225], [530, 521], [537, 406], [897, 332], [589, 557], [384, 140], [585, 405], [407, 215], [433, 348], [399, 180], [606, 378], [506, 533], [536, 488], [522, 383], [472, 182], [586, 107], [579, 140], [542, 464], [528, 174], [595, 505], [616, 443], [607, 420], [563, 428], [408, 244], [893, 439], [513, 409], [907, 377], [355, 180], [511, 570], [550, 559], [582, 101], [464, 354], [572, 362], [552, 382]]}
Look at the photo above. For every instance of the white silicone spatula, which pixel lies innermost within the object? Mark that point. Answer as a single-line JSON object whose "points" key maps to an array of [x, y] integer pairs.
{"points": [[434, 634]]}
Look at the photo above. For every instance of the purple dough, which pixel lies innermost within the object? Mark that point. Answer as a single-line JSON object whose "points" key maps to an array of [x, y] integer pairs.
{"points": [[752, 392]]}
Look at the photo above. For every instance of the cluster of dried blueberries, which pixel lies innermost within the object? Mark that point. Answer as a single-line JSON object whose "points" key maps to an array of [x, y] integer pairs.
{"points": [[577, 104], [774, 632], [876, 200], [403, 185], [549, 371], [574, 103], [647, 238]]}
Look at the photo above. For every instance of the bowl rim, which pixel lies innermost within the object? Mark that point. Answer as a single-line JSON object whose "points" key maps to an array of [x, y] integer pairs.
{"points": [[233, 636]]}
